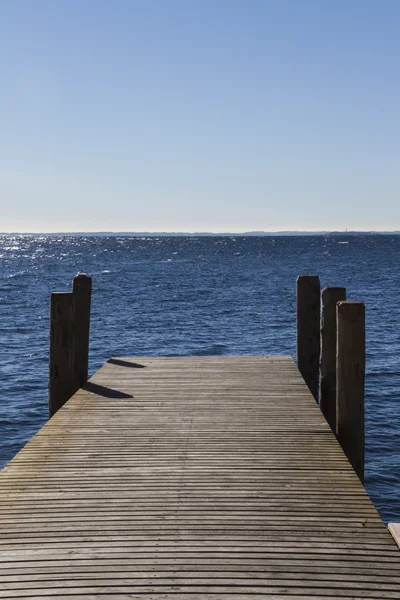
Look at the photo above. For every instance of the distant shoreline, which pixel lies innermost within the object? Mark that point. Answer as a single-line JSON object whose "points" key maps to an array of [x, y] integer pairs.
{"points": [[198, 234]]}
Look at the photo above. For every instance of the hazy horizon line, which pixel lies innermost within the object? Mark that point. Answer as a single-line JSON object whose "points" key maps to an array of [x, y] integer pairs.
{"points": [[206, 233]]}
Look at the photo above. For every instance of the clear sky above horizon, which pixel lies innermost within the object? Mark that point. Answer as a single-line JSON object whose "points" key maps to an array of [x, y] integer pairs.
{"points": [[206, 115]]}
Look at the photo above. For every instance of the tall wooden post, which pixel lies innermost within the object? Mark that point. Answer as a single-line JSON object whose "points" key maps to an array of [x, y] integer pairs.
{"points": [[308, 330], [350, 374], [327, 397], [82, 289], [62, 310]]}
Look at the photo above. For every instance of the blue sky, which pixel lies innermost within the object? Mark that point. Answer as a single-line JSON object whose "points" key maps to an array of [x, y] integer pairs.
{"points": [[198, 115]]}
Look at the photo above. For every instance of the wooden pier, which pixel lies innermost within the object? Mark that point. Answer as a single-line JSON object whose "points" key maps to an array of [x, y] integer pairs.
{"points": [[191, 478], [199, 478]]}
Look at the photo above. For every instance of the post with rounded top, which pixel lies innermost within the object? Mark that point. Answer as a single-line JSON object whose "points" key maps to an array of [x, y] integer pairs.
{"points": [[308, 330], [82, 290], [350, 374], [327, 397], [62, 337]]}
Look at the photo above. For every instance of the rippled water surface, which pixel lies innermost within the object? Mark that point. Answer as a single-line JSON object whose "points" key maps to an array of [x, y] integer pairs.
{"points": [[199, 296]]}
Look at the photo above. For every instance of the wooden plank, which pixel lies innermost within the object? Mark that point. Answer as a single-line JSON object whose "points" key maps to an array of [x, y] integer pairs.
{"points": [[189, 478]]}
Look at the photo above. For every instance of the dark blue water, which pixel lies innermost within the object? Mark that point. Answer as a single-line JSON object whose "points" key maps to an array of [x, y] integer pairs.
{"points": [[199, 296]]}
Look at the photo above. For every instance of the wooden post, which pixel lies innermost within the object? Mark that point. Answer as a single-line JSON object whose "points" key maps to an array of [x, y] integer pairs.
{"points": [[394, 529], [327, 397], [82, 289], [350, 373], [62, 309], [308, 330]]}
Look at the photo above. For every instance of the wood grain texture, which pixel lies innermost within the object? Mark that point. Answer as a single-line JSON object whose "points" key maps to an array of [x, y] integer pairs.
{"points": [[190, 478], [327, 396], [82, 290], [308, 303], [62, 346], [350, 376], [394, 529]]}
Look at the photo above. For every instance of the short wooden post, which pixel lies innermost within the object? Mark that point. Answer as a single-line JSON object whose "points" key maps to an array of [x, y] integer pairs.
{"points": [[82, 289], [350, 374], [394, 529], [62, 310], [327, 397], [308, 330]]}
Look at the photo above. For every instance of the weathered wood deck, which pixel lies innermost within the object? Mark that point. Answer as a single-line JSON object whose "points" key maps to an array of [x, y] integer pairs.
{"points": [[184, 478]]}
